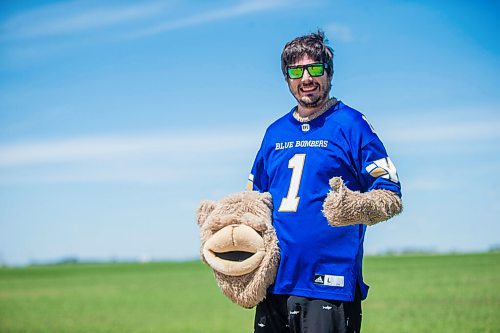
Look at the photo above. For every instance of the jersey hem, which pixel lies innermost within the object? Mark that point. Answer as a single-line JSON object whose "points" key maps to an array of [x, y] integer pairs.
{"points": [[317, 295]]}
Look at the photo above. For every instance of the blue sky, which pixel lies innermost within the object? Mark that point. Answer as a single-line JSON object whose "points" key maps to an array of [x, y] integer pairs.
{"points": [[118, 117]]}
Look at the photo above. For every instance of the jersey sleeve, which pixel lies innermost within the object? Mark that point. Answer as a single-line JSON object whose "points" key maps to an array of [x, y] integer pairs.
{"points": [[257, 179], [377, 171]]}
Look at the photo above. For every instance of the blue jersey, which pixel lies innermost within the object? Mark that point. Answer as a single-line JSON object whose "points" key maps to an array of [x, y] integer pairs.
{"points": [[295, 162]]}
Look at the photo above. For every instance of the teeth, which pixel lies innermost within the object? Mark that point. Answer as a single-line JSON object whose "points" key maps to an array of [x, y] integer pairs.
{"points": [[308, 89]]}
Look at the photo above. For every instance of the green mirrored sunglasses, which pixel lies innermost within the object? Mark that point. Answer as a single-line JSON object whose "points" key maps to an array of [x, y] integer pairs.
{"points": [[296, 72]]}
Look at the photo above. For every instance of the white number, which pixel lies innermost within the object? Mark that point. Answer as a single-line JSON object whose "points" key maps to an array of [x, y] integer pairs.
{"points": [[291, 201]]}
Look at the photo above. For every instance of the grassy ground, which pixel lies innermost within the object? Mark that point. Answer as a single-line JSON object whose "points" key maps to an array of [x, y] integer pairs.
{"points": [[453, 293]]}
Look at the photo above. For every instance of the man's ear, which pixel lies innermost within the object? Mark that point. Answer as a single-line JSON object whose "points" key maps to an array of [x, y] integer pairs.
{"points": [[203, 210]]}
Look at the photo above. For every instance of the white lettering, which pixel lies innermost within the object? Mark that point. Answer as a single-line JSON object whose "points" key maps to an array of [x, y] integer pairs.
{"points": [[283, 145], [311, 143], [301, 144]]}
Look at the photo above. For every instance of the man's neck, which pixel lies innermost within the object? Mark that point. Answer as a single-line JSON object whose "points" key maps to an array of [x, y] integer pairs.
{"points": [[305, 115], [307, 112]]}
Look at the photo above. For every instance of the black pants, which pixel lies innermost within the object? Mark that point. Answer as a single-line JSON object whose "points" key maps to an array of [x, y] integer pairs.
{"points": [[287, 314]]}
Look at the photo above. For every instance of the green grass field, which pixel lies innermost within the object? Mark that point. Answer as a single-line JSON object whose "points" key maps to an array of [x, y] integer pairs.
{"points": [[445, 293]]}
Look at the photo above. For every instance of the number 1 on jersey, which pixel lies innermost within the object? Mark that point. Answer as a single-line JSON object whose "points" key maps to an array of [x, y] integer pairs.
{"points": [[291, 201]]}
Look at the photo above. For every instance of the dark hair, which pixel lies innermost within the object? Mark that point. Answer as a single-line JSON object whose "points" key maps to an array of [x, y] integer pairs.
{"points": [[312, 45]]}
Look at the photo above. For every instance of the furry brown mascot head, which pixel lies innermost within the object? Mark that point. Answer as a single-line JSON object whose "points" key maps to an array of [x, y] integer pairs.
{"points": [[239, 243]]}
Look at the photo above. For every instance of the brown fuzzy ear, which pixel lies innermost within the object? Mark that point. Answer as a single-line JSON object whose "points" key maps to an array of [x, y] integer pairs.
{"points": [[267, 199], [203, 210]]}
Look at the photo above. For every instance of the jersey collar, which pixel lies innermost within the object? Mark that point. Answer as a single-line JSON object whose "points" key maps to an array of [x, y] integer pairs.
{"points": [[331, 102]]}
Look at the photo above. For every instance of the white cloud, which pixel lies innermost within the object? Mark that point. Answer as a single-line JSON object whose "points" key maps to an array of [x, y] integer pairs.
{"points": [[81, 16], [147, 159], [122, 147], [185, 172], [72, 17], [37, 28], [243, 8], [454, 131]]}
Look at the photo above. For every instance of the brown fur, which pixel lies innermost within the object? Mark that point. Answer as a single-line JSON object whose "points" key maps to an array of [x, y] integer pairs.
{"points": [[252, 209], [345, 207]]}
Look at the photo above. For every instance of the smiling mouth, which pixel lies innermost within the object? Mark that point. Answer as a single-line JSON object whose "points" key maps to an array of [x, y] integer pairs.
{"points": [[308, 89]]}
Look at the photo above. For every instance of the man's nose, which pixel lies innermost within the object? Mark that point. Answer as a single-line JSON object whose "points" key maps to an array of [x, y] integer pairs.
{"points": [[305, 76]]}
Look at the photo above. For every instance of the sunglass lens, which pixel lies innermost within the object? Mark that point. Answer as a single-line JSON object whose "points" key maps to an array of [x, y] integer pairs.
{"points": [[295, 72], [315, 70]]}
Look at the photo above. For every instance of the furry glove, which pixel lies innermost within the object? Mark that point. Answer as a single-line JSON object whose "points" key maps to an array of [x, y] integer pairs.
{"points": [[345, 207]]}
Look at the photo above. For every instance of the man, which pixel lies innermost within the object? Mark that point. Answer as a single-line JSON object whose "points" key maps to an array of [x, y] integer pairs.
{"points": [[320, 143]]}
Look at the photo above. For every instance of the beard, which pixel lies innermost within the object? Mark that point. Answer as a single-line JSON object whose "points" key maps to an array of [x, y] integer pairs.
{"points": [[314, 100]]}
